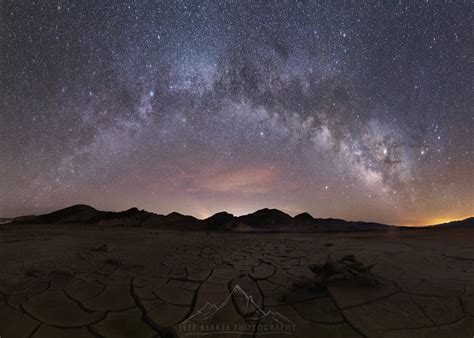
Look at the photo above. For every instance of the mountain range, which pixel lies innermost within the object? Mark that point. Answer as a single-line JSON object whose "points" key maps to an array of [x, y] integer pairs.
{"points": [[261, 220]]}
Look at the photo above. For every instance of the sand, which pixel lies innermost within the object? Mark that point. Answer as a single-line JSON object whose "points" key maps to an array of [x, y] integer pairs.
{"points": [[81, 281]]}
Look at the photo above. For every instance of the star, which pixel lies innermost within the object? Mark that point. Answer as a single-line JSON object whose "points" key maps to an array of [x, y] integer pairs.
{"points": [[233, 106]]}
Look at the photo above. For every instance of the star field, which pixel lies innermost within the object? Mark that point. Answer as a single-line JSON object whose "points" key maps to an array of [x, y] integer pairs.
{"points": [[362, 111]]}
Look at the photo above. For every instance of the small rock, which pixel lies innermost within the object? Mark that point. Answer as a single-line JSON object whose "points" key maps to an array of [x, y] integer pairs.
{"points": [[347, 268]]}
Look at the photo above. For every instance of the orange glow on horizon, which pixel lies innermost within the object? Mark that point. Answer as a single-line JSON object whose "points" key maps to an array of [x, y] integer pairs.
{"points": [[439, 220]]}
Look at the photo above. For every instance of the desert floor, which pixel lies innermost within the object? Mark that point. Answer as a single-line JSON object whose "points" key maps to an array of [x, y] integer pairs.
{"points": [[64, 282]]}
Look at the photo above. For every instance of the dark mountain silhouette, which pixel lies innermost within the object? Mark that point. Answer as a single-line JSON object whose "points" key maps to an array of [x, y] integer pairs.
{"points": [[468, 222], [259, 221], [304, 218], [220, 221], [5, 220], [265, 219], [174, 221], [86, 214]]}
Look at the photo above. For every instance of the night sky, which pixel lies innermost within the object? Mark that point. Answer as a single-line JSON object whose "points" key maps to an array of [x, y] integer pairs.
{"points": [[342, 109]]}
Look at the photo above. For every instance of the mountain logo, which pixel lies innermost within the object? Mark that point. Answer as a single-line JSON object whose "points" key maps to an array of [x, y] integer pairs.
{"points": [[212, 319]]}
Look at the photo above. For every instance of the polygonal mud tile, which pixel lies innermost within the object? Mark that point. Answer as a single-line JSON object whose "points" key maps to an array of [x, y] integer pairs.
{"points": [[176, 283], [118, 277], [108, 269], [251, 261], [85, 290], [397, 311], [21, 285], [79, 266], [262, 271], [296, 295], [217, 280], [149, 305], [157, 282], [469, 288], [159, 269], [210, 288], [140, 281], [113, 298], [217, 259], [282, 278], [16, 301], [225, 273], [300, 272], [304, 261], [272, 293], [105, 247], [243, 268], [464, 253], [441, 310], [124, 324], [90, 276], [439, 287], [178, 272], [54, 307], [38, 275], [408, 282], [468, 303], [14, 323], [166, 315], [191, 286], [46, 331], [135, 270], [390, 272], [61, 278], [349, 293], [198, 274], [462, 328], [145, 292], [319, 310], [329, 331], [175, 295], [288, 263], [259, 256]]}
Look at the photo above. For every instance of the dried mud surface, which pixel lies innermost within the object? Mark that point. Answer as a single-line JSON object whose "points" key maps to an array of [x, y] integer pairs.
{"points": [[122, 282]]}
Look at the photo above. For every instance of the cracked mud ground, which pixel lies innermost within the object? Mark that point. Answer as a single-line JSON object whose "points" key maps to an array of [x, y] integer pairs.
{"points": [[64, 282]]}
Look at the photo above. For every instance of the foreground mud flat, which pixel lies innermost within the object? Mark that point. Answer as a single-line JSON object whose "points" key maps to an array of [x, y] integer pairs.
{"points": [[123, 282]]}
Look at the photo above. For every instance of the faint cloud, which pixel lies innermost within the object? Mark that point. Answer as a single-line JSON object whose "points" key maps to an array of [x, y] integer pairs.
{"points": [[245, 181]]}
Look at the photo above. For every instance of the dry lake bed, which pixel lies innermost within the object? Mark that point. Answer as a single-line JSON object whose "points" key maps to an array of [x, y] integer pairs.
{"points": [[80, 281]]}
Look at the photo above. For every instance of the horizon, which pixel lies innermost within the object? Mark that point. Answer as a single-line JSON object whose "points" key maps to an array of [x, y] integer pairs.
{"points": [[359, 112], [125, 125], [290, 213]]}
